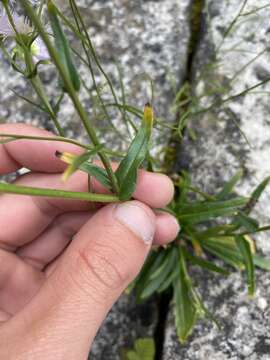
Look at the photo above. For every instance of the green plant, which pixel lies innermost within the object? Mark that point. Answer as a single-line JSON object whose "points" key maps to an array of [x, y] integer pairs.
{"points": [[144, 349], [212, 226]]}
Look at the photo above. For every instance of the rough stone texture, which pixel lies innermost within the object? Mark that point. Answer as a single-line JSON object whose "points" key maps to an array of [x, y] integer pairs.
{"points": [[245, 322], [144, 37], [125, 323], [243, 60]]}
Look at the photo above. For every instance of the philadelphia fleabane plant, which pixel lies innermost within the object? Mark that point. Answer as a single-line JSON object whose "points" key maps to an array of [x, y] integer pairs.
{"points": [[212, 226]]}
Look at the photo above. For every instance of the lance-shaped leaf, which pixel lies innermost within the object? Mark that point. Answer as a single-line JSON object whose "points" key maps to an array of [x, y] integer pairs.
{"points": [[184, 307], [229, 254], [261, 262], [202, 211], [144, 349], [128, 169], [81, 163], [256, 195], [247, 222], [62, 46], [229, 186], [246, 252], [205, 264], [152, 264], [168, 281], [97, 172], [157, 278]]}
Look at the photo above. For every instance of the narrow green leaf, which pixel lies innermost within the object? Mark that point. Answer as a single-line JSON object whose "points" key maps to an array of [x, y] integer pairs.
{"points": [[256, 195], [62, 46], [261, 229], [155, 282], [168, 281], [229, 255], [185, 310], [128, 168], [144, 349], [214, 231], [245, 250], [202, 211], [152, 264], [169, 257], [31, 102], [229, 186], [205, 264], [202, 310], [131, 109], [247, 222], [261, 262], [97, 172]]}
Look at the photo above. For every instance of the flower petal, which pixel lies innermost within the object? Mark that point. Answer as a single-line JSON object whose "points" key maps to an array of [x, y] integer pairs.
{"points": [[39, 50], [6, 28]]}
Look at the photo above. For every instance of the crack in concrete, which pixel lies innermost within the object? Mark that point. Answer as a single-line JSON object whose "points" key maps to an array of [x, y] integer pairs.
{"points": [[177, 163]]}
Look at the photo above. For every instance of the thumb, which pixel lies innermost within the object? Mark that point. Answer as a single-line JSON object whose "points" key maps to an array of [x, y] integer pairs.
{"points": [[105, 256]]}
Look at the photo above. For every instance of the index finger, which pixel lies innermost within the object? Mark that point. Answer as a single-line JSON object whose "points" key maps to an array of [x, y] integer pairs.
{"points": [[35, 155]]}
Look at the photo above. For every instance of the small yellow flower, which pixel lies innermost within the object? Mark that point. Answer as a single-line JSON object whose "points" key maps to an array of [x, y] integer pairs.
{"points": [[69, 159]]}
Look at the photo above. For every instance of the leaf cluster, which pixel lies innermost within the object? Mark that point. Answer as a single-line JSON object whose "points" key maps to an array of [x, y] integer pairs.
{"points": [[213, 227]]}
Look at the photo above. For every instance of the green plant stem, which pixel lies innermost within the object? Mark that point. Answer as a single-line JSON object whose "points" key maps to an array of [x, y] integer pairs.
{"points": [[98, 92], [93, 52], [231, 98], [72, 93], [11, 61], [10, 18], [86, 42], [45, 138], [35, 81], [39, 89], [234, 21], [54, 193]]}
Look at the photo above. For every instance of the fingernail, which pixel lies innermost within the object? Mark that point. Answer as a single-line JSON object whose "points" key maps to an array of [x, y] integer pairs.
{"points": [[136, 219], [178, 226]]}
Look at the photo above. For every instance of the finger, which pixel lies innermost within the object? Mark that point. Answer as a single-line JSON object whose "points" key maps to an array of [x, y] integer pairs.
{"points": [[52, 242], [34, 215], [104, 258], [155, 190], [32, 154], [40, 156], [19, 282], [4, 316], [167, 228]]}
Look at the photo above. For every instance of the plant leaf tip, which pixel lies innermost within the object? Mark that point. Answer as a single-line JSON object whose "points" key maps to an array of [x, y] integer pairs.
{"points": [[148, 116]]}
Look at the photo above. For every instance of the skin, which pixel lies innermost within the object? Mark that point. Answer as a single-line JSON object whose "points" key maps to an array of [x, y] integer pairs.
{"points": [[64, 263]]}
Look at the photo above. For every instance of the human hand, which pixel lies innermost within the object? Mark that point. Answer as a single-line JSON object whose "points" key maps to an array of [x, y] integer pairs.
{"points": [[63, 263]]}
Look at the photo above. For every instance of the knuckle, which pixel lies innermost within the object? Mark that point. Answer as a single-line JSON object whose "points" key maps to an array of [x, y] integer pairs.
{"points": [[65, 227], [101, 269], [105, 265]]}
